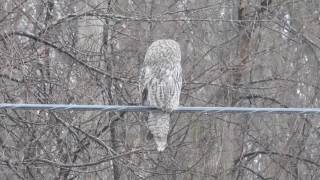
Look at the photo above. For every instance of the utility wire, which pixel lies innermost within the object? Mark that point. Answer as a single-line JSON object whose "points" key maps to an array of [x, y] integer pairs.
{"points": [[125, 108]]}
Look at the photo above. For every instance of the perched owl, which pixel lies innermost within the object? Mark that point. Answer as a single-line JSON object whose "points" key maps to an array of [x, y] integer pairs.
{"points": [[161, 80]]}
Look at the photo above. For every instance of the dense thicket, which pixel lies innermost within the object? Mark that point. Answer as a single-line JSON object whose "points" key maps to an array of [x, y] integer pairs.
{"points": [[249, 53]]}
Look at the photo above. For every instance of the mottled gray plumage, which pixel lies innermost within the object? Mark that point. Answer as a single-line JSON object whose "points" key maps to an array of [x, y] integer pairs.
{"points": [[161, 80]]}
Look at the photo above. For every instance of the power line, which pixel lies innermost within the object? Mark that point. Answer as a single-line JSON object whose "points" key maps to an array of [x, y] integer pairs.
{"points": [[125, 108]]}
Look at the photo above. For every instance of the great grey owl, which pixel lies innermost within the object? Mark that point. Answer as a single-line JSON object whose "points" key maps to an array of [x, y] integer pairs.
{"points": [[161, 80]]}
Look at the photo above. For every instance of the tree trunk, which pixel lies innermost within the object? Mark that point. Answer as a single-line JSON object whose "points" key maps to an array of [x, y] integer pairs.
{"points": [[232, 135]]}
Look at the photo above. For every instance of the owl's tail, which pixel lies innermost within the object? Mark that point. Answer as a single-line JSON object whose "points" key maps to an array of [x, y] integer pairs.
{"points": [[158, 123]]}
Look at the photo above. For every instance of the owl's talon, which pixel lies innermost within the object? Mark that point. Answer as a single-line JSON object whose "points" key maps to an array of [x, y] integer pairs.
{"points": [[167, 109]]}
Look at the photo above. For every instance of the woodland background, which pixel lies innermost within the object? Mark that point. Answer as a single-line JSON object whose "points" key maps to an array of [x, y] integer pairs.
{"points": [[248, 53]]}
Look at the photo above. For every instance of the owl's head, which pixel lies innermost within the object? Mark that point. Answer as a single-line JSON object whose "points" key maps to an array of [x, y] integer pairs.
{"points": [[163, 51]]}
